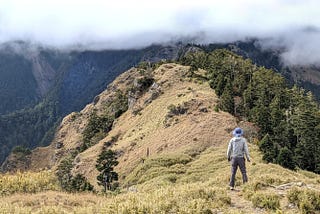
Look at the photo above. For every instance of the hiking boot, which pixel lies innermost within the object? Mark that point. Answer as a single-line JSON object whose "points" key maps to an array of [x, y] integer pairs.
{"points": [[231, 188]]}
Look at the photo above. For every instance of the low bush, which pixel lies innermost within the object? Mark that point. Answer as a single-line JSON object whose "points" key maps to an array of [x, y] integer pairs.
{"points": [[308, 201], [69, 182], [21, 150], [266, 200]]}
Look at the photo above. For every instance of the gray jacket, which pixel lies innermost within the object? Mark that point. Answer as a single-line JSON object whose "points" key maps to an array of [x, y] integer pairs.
{"points": [[238, 148]]}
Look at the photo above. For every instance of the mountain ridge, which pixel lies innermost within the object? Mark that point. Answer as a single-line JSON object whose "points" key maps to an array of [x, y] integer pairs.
{"points": [[81, 75], [185, 171]]}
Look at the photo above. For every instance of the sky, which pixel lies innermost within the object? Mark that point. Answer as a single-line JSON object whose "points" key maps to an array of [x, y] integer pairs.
{"points": [[292, 25]]}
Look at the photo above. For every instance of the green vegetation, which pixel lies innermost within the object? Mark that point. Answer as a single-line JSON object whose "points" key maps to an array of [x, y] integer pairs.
{"points": [[28, 127], [21, 150], [145, 82], [167, 167], [267, 201], [176, 110], [106, 162], [96, 129], [307, 200], [18, 87], [99, 126], [289, 118], [68, 181]]}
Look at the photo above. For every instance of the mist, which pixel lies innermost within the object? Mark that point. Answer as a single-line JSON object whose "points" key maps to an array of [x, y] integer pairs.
{"points": [[291, 25]]}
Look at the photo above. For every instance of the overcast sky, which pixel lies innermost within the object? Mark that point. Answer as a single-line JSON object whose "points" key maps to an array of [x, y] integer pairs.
{"points": [[93, 24]]}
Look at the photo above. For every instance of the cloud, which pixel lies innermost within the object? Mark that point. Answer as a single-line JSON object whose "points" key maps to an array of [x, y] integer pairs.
{"points": [[105, 24]]}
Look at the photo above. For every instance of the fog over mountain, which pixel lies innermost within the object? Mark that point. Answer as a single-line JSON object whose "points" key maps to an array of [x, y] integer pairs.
{"points": [[291, 25]]}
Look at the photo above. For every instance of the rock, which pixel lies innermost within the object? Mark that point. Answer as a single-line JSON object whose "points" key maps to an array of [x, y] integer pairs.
{"points": [[203, 109], [132, 189], [59, 145]]}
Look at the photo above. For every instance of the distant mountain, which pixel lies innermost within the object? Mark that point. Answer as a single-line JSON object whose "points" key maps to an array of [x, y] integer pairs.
{"points": [[18, 86]]}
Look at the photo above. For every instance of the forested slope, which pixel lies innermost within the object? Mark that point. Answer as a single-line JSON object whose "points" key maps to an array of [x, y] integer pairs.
{"points": [[289, 118]]}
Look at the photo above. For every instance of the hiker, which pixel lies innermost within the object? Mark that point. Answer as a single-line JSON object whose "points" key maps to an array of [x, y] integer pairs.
{"points": [[237, 149]]}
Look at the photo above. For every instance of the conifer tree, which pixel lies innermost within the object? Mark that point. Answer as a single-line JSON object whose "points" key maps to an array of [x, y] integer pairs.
{"points": [[285, 158], [267, 146], [226, 102], [106, 162]]}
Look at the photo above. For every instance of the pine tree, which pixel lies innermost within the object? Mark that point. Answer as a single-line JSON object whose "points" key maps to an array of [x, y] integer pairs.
{"points": [[106, 162], [268, 148], [226, 102], [285, 158]]}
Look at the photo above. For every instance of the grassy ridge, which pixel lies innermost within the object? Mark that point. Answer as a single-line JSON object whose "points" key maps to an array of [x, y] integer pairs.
{"points": [[176, 184]]}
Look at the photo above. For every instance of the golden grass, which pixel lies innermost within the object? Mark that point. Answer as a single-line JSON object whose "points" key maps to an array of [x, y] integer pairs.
{"points": [[175, 183], [182, 199], [27, 182]]}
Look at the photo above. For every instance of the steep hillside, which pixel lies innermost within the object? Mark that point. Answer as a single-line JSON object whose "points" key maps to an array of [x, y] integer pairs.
{"points": [[18, 86], [171, 144], [41, 86], [151, 119], [174, 116]]}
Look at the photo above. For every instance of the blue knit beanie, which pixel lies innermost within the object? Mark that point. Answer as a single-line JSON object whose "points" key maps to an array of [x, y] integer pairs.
{"points": [[237, 132]]}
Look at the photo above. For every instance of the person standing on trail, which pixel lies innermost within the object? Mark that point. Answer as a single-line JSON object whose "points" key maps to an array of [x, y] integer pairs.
{"points": [[237, 149]]}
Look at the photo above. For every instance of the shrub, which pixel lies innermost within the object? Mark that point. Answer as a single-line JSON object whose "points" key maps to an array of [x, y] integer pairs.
{"points": [[176, 110], [79, 184], [117, 106], [64, 172], [21, 150], [145, 82], [97, 126], [144, 65], [158, 167], [308, 201], [267, 201], [67, 181], [293, 195]]}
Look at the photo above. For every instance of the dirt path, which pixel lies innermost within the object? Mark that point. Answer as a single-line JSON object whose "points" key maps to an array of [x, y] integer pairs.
{"points": [[238, 202]]}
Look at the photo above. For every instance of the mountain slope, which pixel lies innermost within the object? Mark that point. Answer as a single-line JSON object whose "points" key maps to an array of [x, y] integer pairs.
{"points": [[17, 84], [186, 170], [38, 81], [61, 83]]}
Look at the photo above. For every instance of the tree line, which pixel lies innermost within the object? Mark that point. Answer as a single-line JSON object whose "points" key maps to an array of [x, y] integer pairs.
{"points": [[288, 117]]}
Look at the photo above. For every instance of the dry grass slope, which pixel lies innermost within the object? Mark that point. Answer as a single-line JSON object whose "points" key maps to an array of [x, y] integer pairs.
{"points": [[179, 183], [185, 170]]}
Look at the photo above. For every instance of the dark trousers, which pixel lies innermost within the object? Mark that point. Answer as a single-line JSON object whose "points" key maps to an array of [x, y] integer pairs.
{"points": [[235, 162]]}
